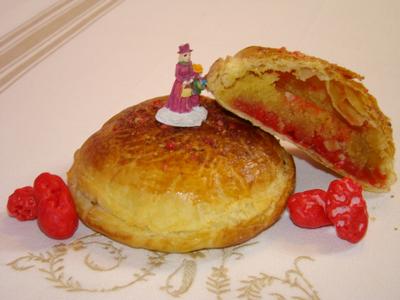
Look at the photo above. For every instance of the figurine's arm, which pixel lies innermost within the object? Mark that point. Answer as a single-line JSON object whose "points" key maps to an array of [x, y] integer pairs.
{"points": [[193, 74], [179, 73], [184, 74]]}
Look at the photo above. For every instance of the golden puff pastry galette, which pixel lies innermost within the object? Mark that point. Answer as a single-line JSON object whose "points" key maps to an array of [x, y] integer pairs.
{"points": [[172, 189]]}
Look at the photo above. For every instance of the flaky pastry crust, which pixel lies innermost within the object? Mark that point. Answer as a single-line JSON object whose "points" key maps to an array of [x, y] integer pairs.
{"points": [[321, 107], [171, 189]]}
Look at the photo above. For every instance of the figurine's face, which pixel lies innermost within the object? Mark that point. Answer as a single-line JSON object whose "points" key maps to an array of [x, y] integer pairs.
{"points": [[184, 57]]}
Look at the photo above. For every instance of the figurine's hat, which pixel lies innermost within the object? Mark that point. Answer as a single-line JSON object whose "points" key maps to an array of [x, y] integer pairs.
{"points": [[185, 48]]}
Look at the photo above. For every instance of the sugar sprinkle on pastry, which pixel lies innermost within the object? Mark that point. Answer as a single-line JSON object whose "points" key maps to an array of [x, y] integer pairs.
{"points": [[165, 188]]}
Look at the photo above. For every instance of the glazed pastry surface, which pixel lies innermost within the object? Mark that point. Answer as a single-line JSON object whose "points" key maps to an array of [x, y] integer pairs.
{"points": [[171, 189]]}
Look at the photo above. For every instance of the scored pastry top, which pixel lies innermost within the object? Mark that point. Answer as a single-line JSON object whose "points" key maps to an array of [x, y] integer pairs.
{"points": [[226, 154], [169, 188]]}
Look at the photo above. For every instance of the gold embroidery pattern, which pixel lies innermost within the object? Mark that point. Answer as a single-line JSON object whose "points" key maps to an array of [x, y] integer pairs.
{"points": [[218, 282], [294, 277], [53, 265], [187, 272], [53, 261]]}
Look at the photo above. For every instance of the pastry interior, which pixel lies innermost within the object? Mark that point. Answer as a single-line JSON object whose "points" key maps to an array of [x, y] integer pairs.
{"points": [[321, 107]]}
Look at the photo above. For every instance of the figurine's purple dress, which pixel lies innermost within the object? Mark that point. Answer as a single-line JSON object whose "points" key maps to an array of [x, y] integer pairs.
{"points": [[176, 103]]}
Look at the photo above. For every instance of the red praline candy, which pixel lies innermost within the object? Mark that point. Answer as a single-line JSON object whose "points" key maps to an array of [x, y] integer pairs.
{"points": [[57, 216], [22, 204], [347, 209], [307, 209]]}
